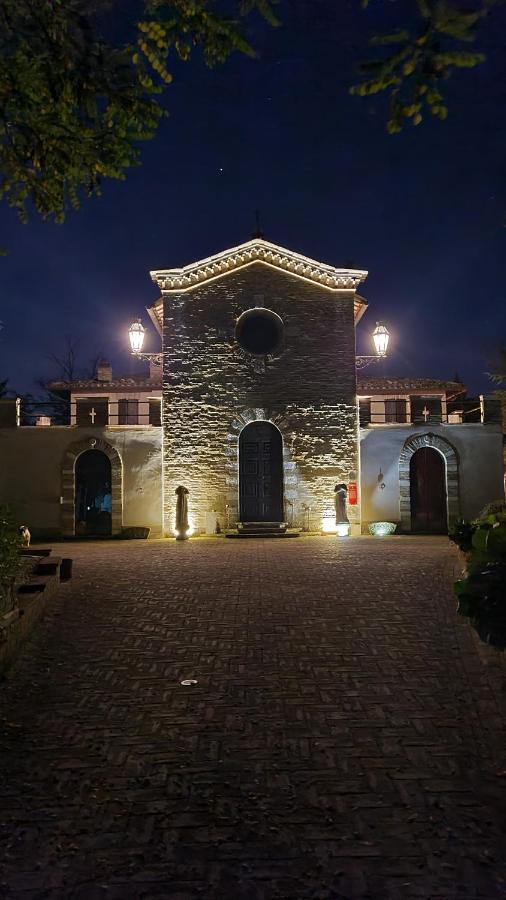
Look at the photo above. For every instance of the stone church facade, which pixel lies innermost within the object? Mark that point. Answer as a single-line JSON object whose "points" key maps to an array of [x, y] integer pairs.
{"points": [[216, 384], [258, 412]]}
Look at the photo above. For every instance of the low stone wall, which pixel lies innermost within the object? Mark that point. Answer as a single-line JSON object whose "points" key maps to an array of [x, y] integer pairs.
{"points": [[16, 625]]}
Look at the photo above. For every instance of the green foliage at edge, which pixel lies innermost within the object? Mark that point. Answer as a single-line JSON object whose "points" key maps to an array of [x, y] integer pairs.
{"points": [[73, 107], [10, 559], [481, 593], [412, 64]]}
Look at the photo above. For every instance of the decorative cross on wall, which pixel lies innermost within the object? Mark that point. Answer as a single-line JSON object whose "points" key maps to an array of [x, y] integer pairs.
{"points": [[425, 413], [92, 415]]}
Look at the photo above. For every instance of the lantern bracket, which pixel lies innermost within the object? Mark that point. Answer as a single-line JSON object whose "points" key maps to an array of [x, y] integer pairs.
{"points": [[362, 361], [155, 358]]}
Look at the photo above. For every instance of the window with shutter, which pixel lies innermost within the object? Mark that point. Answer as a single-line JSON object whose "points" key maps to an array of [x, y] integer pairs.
{"points": [[128, 412], [395, 410], [364, 409], [155, 412]]}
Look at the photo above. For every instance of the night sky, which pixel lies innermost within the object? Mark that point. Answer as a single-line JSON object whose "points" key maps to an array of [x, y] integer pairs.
{"points": [[423, 211]]}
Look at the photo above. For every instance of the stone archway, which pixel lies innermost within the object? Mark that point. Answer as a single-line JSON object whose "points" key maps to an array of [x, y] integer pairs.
{"points": [[417, 442], [69, 483]]}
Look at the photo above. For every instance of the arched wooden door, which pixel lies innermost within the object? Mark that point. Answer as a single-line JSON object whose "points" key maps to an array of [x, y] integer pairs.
{"points": [[427, 476], [93, 494], [261, 473]]}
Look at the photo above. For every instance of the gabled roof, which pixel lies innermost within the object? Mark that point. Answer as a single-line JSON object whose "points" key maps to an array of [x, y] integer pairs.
{"points": [[366, 387], [256, 250]]}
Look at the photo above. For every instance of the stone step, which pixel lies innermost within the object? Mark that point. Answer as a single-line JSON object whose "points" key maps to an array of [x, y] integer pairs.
{"points": [[261, 526], [35, 551], [263, 533], [49, 565]]}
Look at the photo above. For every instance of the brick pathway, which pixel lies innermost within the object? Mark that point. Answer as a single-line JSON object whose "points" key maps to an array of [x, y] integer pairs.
{"points": [[341, 740]]}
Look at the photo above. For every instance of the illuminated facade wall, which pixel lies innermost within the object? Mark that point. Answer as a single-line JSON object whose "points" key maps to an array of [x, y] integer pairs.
{"points": [[212, 388], [37, 481]]}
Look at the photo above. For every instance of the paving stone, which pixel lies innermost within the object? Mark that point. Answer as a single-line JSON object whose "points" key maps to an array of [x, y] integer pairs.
{"points": [[342, 740]]}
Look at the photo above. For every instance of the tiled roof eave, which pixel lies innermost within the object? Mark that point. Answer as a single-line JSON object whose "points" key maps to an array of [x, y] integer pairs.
{"points": [[101, 387], [387, 385]]}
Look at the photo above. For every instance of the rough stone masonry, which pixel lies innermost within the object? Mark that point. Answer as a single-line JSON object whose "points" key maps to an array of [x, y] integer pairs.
{"points": [[212, 388]]}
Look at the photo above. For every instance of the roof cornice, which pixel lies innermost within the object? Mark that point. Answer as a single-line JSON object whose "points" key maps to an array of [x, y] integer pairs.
{"points": [[258, 250]]}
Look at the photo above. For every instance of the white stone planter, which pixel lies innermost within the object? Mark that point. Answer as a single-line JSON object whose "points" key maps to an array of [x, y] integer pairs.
{"points": [[381, 529]]}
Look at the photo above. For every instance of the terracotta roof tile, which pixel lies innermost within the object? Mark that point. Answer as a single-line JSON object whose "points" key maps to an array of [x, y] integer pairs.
{"points": [[124, 383], [406, 385]]}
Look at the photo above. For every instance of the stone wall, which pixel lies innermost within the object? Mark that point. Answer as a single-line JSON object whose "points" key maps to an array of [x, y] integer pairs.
{"points": [[212, 388], [36, 475]]}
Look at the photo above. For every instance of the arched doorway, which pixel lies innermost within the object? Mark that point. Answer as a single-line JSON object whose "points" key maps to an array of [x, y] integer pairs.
{"points": [[93, 493], [260, 473], [427, 485]]}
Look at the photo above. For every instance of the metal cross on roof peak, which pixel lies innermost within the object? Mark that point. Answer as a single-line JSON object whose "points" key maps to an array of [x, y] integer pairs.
{"points": [[258, 233]]}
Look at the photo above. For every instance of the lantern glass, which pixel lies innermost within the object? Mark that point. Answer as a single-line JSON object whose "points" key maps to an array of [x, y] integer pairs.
{"points": [[136, 334], [381, 337]]}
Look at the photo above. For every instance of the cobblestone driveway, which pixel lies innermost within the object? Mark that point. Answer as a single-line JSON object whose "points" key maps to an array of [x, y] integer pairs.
{"points": [[333, 747]]}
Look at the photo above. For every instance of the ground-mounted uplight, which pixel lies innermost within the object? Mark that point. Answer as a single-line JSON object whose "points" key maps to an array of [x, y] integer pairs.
{"points": [[380, 337], [343, 529], [182, 535], [329, 523]]}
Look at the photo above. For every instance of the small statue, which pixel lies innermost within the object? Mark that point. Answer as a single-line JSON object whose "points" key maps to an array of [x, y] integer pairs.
{"points": [[182, 525], [341, 492], [25, 535]]}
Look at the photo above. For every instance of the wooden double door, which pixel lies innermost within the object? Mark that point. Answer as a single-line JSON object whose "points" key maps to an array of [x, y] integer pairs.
{"points": [[261, 473], [427, 476]]}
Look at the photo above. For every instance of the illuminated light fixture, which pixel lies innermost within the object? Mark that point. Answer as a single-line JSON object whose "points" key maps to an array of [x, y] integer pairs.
{"points": [[187, 533], [343, 529], [381, 336], [329, 523], [136, 334]]}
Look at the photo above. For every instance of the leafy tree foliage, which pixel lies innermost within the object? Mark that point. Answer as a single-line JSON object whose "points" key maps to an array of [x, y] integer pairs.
{"points": [[498, 376], [413, 63], [73, 106], [74, 103]]}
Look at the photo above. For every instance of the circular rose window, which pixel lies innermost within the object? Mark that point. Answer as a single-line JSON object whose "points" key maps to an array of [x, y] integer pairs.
{"points": [[259, 331]]}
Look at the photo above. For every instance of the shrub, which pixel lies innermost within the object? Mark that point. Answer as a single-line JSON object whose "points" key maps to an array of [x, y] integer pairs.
{"points": [[462, 535], [497, 508], [482, 592], [10, 559]]}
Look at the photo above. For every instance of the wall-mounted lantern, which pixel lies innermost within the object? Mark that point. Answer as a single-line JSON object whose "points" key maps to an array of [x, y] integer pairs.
{"points": [[380, 337], [136, 334]]}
